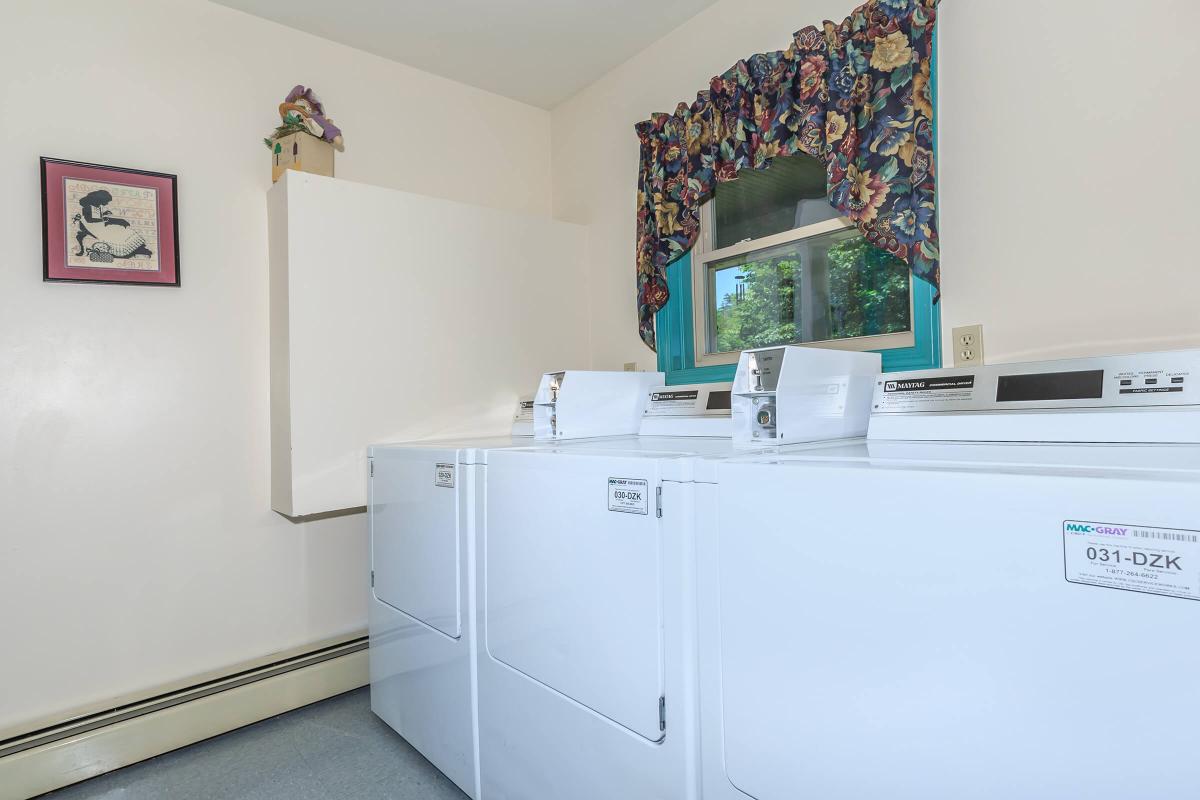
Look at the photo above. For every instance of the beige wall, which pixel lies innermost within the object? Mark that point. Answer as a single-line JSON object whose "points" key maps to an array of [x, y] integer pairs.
{"points": [[137, 544], [1067, 171], [1069, 176]]}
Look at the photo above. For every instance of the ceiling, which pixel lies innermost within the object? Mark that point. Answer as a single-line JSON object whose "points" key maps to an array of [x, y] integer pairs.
{"points": [[537, 51]]}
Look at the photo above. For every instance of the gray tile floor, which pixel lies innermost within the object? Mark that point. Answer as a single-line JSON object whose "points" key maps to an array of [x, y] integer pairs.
{"points": [[333, 749]]}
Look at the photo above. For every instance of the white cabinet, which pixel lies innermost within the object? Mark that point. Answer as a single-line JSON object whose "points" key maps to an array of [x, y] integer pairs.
{"points": [[396, 316]]}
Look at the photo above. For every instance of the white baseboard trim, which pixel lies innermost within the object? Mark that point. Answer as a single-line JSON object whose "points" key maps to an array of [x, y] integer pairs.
{"points": [[169, 723]]}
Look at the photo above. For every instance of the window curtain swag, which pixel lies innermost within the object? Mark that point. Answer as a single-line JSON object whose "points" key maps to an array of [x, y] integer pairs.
{"points": [[855, 95]]}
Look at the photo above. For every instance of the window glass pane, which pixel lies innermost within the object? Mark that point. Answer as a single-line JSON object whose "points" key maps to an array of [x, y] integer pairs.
{"points": [[788, 194], [830, 286]]}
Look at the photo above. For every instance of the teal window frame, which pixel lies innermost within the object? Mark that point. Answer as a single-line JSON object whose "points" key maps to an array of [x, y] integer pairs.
{"points": [[676, 345]]}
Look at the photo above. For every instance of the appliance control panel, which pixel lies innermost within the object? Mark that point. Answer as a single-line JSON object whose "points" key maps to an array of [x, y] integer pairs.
{"points": [[695, 400], [1165, 379], [698, 409]]}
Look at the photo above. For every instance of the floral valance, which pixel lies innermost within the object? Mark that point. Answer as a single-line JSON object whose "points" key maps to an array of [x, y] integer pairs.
{"points": [[855, 95]]}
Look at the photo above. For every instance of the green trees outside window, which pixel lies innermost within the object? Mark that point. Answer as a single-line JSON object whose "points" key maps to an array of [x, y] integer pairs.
{"points": [[830, 286]]}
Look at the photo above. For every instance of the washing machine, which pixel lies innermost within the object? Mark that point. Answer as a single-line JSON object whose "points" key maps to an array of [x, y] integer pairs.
{"points": [[423, 500], [994, 597], [587, 663]]}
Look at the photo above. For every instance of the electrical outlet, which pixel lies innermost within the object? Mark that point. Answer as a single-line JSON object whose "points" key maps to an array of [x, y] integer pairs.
{"points": [[631, 366], [968, 345]]}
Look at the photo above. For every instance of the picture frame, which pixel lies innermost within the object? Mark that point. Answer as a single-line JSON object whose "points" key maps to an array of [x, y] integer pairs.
{"points": [[103, 224]]}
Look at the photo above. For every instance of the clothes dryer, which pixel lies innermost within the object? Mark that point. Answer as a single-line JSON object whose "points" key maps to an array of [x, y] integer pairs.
{"points": [[587, 663], [423, 498], [420, 517], [1009, 613]]}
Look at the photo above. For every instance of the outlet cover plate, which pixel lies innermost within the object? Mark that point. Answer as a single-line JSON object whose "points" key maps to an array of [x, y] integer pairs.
{"points": [[968, 345]]}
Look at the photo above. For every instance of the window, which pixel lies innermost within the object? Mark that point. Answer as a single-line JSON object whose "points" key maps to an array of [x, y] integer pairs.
{"points": [[776, 265]]}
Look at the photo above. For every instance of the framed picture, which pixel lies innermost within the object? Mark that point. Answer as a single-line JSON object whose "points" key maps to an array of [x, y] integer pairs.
{"points": [[108, 224]]}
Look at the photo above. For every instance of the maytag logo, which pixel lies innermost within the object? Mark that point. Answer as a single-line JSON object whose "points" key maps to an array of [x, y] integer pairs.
{"points": [[908, 386], [1102, 530]]}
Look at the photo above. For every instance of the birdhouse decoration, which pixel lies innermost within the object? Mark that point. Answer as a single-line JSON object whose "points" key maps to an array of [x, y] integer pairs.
{"points": [[306, 138]]}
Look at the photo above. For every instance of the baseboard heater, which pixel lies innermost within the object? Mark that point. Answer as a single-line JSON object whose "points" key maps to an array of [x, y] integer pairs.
{"points": [[83, 747]]}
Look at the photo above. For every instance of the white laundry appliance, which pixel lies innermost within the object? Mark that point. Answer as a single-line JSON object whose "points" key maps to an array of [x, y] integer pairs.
{"points": [[585, 404], [1009, 612], [423, 501], [586, 600]]}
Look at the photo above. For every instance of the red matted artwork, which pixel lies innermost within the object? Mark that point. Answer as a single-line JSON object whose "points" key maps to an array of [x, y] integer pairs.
{"points": [[108, 224]]}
